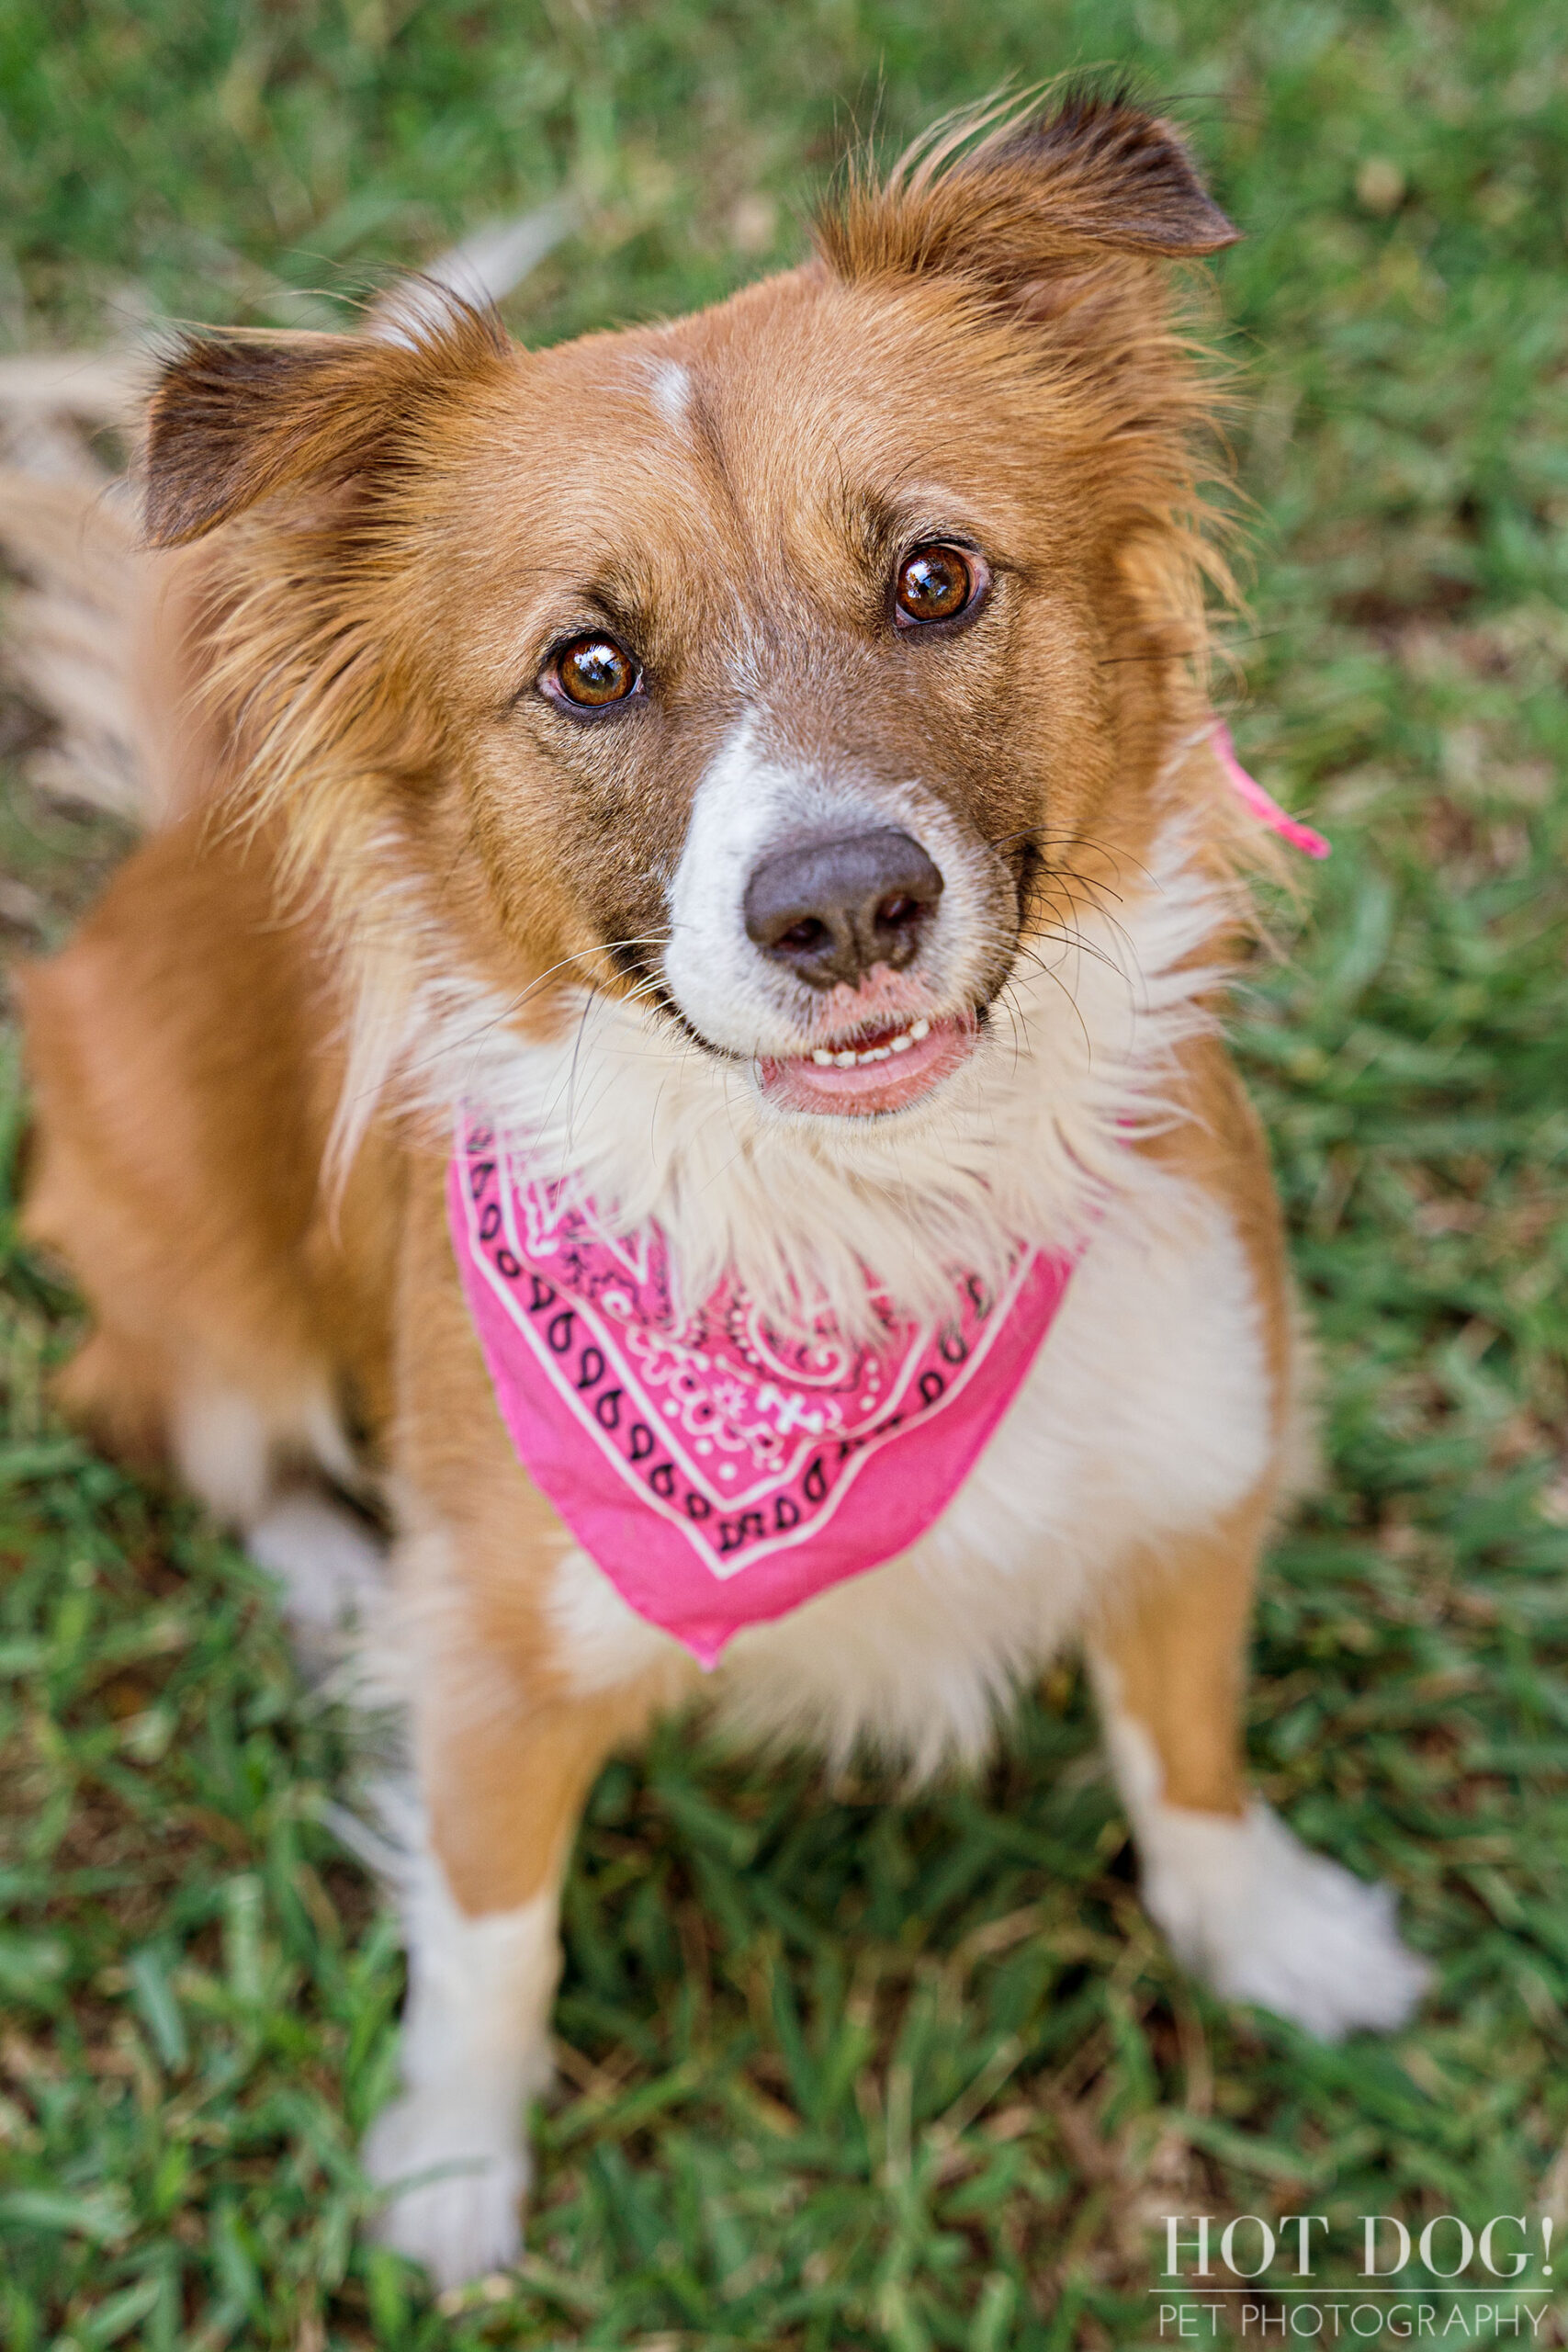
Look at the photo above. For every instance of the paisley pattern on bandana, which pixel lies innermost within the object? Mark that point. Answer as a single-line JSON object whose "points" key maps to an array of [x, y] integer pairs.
{"points": [[718, 1473]]}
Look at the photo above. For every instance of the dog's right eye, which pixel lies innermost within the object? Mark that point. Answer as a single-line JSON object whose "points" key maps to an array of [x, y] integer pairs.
{"points": [[590, 673], [937, 582]]}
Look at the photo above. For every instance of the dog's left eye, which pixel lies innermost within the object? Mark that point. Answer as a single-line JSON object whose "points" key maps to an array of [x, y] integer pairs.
{"points": [[936, 583], [592, 672]]}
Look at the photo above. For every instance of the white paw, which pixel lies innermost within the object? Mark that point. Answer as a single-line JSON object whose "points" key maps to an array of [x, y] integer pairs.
{"points": [[1249, 1908], [330, 1564], [465, 2159]]}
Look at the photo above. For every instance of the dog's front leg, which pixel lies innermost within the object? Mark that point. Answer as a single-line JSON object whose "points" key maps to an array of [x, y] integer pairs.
{"points": [[500, 1802], [507, 1739], [1244, 1903]]}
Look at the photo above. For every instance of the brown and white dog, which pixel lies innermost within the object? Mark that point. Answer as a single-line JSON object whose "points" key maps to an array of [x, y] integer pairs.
{"points": [[760, 762]]}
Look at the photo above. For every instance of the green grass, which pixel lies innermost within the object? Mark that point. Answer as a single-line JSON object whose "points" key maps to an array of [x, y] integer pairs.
{"points": [[841, 2073]]}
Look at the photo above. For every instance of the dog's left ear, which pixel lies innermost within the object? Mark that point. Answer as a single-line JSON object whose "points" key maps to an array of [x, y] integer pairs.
{"points": [[1031, 208], [241, 416]]}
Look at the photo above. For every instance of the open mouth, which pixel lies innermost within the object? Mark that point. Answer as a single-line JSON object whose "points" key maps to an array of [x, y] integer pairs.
{"points": [[881, 1070]]}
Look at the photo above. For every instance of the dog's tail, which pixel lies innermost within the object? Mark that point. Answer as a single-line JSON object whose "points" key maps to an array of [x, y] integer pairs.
{"points": [[67, 531], [85, 610]]}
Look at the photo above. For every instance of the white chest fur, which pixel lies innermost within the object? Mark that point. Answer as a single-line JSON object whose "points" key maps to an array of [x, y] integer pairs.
{"points": [[1146, 1413]]}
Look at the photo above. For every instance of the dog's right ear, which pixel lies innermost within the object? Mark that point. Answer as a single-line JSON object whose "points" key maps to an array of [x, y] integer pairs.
{"points": [[238, 416], [1043, 206]]}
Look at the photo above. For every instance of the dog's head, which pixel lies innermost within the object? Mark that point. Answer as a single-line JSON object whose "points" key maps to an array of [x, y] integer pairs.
{"points": [[791, 670]]}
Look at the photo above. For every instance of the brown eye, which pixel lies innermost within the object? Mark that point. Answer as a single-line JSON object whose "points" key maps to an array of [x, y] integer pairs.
{"points": [[593, 671], [936, 583]]}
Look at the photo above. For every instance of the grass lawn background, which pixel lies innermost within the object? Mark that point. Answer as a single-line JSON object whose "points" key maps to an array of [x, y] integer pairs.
{"points": [[835, 2071]]}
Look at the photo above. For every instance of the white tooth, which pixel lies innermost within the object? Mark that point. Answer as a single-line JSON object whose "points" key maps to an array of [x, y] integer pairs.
{"points": [[847, 1061], [922, 1029], [877, 1054], [900, 1045], [820, 1055]]}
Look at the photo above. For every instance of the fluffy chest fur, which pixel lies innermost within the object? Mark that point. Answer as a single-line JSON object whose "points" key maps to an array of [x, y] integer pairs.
{"points": [[1151, 1410], [1148, 1413]]}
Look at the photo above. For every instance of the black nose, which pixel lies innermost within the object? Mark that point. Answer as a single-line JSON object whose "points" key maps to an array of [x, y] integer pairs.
{"points": [[832, 910]]}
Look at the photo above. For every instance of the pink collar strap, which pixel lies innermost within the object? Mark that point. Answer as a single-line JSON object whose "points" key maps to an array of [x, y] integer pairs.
{"points": [[718, 1475], [1262, 804]]}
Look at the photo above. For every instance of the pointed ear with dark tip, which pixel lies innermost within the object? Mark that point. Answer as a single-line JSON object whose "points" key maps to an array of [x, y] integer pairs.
{"points": [[239, 416], [1038, 197]]}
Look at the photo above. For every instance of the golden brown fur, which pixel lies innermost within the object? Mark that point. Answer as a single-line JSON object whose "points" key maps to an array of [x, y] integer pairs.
{"points": [[179, 1137]]}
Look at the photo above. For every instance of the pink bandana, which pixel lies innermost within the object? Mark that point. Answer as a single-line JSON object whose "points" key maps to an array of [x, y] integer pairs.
{"points": [[718, 1475]]}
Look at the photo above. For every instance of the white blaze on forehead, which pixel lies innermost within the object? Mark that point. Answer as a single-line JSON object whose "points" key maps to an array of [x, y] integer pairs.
{"points": [[672, 392]]}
